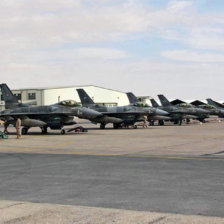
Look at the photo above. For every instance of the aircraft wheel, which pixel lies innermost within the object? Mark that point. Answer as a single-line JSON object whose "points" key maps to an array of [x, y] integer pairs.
{"points": [[6, 132], [135, 126], [161, 122], [24, 131], [102, 126], [62, 131], [44, 130], [115, 126]]}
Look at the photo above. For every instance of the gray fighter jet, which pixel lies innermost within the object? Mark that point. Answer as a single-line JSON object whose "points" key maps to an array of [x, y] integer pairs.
{"points": [[177, 112], [200, 113], [212, 109], [218, 106], [135, 102], [54, 116], [119, 115]]}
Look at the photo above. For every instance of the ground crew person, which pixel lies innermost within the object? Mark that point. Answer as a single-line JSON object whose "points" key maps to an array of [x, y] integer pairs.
{"points": [[145, 122], [18, 128]]}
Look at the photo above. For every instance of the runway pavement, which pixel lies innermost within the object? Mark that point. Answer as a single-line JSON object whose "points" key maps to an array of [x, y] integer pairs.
{"points": [[145, 184], [171, 169]]}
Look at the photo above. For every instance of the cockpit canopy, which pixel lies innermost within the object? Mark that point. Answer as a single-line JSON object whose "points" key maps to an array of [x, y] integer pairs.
{"points": [[140, 104], [69, 103], [185, 105]]}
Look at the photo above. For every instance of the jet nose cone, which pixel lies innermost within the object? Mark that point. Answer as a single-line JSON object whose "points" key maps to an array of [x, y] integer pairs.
{"points": [[93, 113], [161, 112], [86, 113]]}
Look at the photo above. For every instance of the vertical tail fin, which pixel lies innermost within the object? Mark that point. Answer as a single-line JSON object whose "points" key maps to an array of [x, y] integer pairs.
{"points": [[154, 103], [164, 101], [84, 97], [215, 104], [10, 100], [132, 98]]}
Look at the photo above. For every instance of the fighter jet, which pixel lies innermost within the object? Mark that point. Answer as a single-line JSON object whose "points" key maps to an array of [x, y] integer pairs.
{"points": [[118, 115], [200, 113], [177, 112], [54, 116], [218, 106], [212, 109], [135, 102]]}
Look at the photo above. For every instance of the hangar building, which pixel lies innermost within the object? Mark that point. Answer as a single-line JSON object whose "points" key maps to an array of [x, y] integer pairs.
{"points": [[47, 96]]}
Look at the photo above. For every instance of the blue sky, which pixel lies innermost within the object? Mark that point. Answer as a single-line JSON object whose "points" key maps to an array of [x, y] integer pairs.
{"points": [[175, 47]]}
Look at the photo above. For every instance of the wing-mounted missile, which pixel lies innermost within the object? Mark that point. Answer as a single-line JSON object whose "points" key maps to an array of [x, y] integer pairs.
{"points": [[187, 116], [27, 122], [107, 119], [159, 117]]}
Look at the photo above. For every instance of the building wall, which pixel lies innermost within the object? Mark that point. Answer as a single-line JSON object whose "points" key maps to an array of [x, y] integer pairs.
{"points": [[25, 95], [98, 94]]}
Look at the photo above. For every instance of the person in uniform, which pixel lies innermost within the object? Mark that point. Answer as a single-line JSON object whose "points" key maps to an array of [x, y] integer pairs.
{"points": [[145, 122], [18, 128]]}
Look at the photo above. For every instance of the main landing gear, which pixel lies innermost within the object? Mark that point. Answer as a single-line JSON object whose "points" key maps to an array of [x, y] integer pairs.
{"points": [[161, 122], [102, 126], [178, 122], [44, 130], [25, 131]]}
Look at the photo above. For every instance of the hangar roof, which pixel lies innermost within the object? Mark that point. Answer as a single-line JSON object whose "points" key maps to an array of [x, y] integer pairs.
{"points": [[65, 87]]}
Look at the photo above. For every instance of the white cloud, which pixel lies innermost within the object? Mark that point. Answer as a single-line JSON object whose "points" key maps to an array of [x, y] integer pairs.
{"points": [[206, 38], [186, 81], [35, 36], [175, 5], [26, 24], [48, 23], [193, 56]]}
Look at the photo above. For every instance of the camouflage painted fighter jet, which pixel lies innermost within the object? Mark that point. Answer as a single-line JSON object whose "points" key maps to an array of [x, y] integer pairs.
{"points": [[178, 112], [200, 113], [119, 115], [135, 102], [54, 116], [212, 109]]}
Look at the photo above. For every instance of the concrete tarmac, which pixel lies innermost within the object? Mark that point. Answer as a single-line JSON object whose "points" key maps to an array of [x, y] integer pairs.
{"points": [[168, 169], [144, 184]]}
